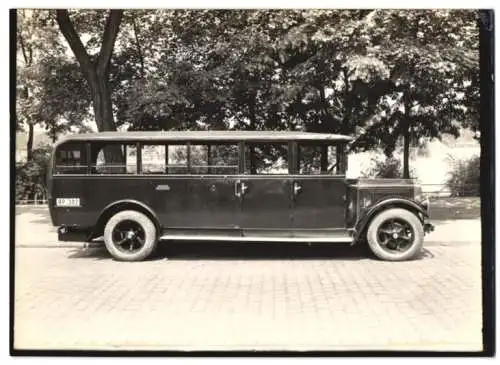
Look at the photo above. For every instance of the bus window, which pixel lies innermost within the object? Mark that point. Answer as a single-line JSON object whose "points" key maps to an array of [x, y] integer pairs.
{"points": [[317, 159], [266, 159], [70, 158], [153, 159], [114, 159], [177, 159], [214, 159]]}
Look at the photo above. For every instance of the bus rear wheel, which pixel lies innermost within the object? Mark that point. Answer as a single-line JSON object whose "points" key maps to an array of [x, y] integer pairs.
{"points": [[130, 236]]}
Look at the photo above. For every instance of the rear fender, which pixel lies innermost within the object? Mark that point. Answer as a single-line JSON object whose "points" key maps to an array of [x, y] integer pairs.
{"points": [[128, 204]]}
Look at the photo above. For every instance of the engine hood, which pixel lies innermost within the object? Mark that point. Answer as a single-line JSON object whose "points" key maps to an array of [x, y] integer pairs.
{"points": [[364, 193]]}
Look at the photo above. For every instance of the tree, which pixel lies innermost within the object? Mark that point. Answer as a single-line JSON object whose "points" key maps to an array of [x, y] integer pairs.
{"points": [[37, 41], [340, 71], [95, 68], [431, 56]]}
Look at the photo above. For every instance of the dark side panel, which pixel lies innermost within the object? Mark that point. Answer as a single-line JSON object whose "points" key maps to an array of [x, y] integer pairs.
{"points": [[211, 203], [179, 202], [266, 202], [319, 202], [96, 193], [168, 198]]}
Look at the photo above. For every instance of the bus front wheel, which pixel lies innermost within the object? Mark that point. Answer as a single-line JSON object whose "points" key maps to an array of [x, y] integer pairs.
{"points": [[130, 236]]}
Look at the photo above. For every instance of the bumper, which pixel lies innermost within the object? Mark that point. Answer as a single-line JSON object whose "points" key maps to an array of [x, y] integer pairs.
{"points": [[428, 228], [72, 233]]}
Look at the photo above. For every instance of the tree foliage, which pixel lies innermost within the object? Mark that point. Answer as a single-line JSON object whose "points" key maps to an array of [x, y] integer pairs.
{"points": [[386, 168], [389, 77], [31, 176], [464, 179], [37, 42]]}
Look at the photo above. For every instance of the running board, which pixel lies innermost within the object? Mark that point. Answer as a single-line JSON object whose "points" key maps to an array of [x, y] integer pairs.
{"points": [[343, 239]]}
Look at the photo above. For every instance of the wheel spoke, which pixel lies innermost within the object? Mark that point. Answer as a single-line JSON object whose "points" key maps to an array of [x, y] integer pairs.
{"points": [[123, 238], [395, 235], [400, 247], [385, 231], [122, 241], [385, 242]]}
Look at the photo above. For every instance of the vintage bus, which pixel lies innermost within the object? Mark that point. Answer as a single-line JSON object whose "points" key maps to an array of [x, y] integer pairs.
{"points": [[135, 189]]}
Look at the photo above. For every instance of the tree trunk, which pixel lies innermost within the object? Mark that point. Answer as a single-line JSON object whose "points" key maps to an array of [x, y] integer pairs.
{"points": [[28, 61], [406, 137], [406, 152], [103, 113], [327, 121], [253, 126], [96, 73], [102, 103], [29, 145]]}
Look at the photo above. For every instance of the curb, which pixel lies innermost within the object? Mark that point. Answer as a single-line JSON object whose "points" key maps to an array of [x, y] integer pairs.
{"points": [[64, 245]]}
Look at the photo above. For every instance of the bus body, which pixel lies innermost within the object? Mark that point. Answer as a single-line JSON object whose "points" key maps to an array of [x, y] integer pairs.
{"points": [[137, 188]]}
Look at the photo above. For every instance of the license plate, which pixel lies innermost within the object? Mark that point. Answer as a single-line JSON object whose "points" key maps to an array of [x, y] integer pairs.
{"points": [[68, 202]]}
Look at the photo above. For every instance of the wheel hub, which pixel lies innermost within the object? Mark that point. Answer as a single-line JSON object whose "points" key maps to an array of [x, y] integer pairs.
{"points": [[395, 235], [130, 234]]}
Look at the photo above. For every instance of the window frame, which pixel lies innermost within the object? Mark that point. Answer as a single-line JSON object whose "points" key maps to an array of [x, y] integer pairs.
{"points": [[237, 144], [85, 164], [340, 155], [124, 144], [292, 156], [243, 160], [167, 144], [164, 146]]}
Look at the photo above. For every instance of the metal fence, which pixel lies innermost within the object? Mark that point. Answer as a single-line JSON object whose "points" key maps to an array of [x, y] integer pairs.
{"points": [[39, 199], [450, 190]]}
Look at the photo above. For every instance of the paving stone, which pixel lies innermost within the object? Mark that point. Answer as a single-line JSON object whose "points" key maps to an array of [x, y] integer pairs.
{"points": [[64, 300]]}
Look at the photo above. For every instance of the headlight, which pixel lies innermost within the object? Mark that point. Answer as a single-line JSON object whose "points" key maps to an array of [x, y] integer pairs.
{"points": [[417, 193], [366, 201], [420, 198], [425, 203]]}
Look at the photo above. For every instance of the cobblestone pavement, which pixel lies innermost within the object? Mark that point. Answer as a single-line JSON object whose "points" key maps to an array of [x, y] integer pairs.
{"points": [[243, 297], [68, 298]]}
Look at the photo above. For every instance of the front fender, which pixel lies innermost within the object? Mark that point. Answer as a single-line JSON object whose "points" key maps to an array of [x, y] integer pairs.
{"points": [[369, 214]]}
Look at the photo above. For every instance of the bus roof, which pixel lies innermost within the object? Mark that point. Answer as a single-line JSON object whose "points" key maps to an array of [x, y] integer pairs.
{"points": [[212, 136]]}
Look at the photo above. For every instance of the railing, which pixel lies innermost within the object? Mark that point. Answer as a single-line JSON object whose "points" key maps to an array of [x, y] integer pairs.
{"points": [[448, 190], [38, 200], [42, 202]]}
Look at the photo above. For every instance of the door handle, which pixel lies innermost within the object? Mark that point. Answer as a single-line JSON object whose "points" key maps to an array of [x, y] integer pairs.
{"points": [[244, 188], [162, 187], [296, 189], [240, 188], [237, 192]]}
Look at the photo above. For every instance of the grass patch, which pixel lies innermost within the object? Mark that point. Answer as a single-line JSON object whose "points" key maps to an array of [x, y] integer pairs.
{"points": [[455, 208]]}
